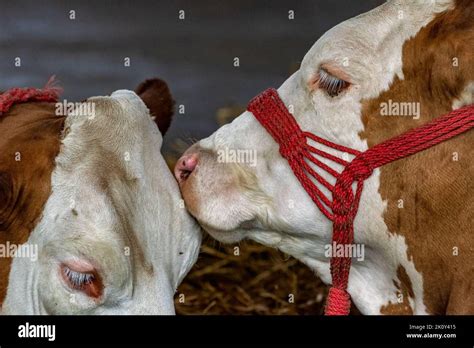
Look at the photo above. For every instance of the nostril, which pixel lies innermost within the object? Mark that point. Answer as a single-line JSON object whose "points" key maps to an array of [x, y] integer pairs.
{"points": [[188, 163], [185, 166]]}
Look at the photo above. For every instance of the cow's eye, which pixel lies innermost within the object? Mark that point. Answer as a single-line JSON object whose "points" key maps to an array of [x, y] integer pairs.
{"points": [[331, 84], [87, 282]]}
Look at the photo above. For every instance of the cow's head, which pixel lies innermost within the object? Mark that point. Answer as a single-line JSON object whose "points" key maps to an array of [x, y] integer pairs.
{"points": [[112, 237], [236, 183]]}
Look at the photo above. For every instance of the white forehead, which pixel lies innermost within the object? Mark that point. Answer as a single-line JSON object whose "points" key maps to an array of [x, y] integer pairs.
{"points": [[101, 157], [369, 47], [112, 167], [111, 182]]}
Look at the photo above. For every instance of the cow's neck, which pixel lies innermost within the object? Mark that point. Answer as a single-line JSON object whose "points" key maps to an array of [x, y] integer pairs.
{"points": [[382, 279]]}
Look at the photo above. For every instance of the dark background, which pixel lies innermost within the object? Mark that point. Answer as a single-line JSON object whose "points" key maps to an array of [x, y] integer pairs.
{"points": [[195, 57]]}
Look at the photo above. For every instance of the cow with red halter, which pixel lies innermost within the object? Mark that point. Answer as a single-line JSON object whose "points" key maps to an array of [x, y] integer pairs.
{"points": [[358, 174], [91, 220]]}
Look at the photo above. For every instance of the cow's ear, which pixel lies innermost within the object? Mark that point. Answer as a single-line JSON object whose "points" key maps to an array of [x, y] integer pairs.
{"points": [[157, 97]]}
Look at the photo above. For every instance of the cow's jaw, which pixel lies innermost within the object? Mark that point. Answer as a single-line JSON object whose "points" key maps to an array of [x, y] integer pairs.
{"points": [[115, 204], [266, 202]]}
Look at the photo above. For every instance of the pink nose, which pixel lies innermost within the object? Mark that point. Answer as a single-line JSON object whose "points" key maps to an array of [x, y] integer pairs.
{"points": [[185, 166]]}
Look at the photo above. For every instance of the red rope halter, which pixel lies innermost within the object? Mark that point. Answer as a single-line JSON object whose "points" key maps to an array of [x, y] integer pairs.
{"points": [[272, 114], [50, 93]]}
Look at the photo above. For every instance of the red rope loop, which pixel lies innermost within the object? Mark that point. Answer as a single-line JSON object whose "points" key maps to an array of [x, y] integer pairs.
{"points": [[50, 93], [272, 114]]}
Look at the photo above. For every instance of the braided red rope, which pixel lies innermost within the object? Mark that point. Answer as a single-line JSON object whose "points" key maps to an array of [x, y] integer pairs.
{"points": [[272, 114], [50, 93]]}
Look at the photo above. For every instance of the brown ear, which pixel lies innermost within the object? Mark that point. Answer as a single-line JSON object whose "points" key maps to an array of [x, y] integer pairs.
{"points": [[157, 97]]}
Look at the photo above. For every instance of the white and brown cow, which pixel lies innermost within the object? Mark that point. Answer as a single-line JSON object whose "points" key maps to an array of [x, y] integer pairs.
{"points": [[416, 215], [93, 199]]}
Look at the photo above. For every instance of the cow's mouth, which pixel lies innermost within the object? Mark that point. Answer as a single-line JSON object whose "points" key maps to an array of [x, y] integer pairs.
{"points": [[184, 174]]}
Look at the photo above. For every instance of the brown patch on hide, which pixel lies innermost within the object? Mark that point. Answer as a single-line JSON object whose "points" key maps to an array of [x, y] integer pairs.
{"points": [[29, 144], [437, 190]]}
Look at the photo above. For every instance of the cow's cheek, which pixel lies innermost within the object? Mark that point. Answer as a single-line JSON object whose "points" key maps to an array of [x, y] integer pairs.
{"points": [[191, 197]]}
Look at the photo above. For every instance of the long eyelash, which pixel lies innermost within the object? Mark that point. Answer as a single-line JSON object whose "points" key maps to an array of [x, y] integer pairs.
{"points": [[78, 279], [331, 84]]}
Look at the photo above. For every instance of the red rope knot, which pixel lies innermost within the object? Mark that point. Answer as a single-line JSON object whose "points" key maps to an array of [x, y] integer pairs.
{"points": [[338, 302], [293, 146], [342, 198], [342, 219], [359, 169]]}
